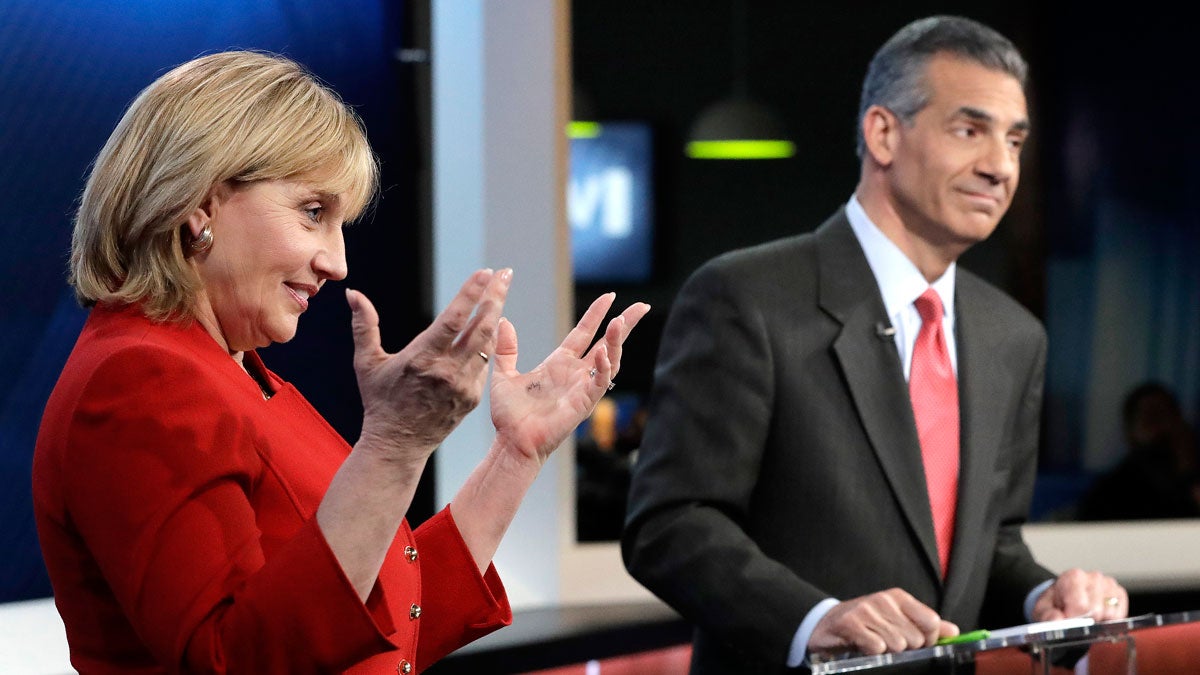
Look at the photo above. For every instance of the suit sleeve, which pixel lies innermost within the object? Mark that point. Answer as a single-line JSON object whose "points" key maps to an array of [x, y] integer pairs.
{"points": [[696, 472], [157, 480], [1014, 572]]}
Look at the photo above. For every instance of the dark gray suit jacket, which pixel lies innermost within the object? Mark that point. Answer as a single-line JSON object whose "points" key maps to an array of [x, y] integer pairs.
{"points": [[780, 465]]}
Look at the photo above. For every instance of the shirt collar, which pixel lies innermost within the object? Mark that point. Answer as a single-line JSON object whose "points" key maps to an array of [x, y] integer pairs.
{"points": [[900, 282]]}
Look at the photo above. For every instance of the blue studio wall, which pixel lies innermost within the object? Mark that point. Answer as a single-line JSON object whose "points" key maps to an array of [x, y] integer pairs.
{"points": [[67, 71]]}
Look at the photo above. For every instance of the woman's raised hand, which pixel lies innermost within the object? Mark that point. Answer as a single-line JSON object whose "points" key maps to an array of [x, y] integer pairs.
{"points": [[533, 412], [414, 398]]}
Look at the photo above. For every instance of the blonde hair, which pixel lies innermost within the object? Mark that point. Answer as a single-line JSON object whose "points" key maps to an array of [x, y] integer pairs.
{"points": [[235, 116]]}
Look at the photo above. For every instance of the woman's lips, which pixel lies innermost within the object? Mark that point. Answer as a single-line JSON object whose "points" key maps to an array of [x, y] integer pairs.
{"points": [[301, 294]]}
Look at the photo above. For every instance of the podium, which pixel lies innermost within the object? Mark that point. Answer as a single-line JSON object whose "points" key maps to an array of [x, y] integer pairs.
{"points": [[1048, 650]]}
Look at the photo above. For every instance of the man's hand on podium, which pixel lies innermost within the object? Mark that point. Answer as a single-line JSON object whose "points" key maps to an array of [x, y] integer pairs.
{"points": [[887, 621], [1079, 593]]}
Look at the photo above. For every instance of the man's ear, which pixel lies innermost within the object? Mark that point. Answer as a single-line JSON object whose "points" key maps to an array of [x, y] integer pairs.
{"points": [[880, 129], [203, 214]]}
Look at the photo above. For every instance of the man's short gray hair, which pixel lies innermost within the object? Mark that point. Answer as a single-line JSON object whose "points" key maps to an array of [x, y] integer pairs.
{"points": [[896, 77]]}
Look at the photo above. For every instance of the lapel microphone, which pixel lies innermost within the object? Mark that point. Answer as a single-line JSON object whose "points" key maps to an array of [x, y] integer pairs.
{"points": [[884, 331]]}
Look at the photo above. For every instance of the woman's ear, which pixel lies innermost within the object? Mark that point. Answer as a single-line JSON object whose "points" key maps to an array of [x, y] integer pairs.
{"points": [[880, 128], [202, 215]]}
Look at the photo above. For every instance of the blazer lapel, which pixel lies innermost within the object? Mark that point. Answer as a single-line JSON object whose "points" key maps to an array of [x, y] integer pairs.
{"points": [[874, 375], [984, 386]]}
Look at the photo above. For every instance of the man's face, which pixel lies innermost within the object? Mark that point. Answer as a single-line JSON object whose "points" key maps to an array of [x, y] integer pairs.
{"points": [[955, 168]]}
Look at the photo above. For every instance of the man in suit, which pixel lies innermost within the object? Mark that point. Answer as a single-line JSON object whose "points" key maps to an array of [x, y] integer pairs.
{"points": [[824, 469]]}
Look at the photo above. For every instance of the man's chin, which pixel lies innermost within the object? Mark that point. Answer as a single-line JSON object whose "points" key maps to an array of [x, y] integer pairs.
{"points": [[977, 226]]}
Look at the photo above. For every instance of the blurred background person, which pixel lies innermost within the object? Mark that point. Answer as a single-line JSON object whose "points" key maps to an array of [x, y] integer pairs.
{"points": [[602, 476], [1157, 477]]}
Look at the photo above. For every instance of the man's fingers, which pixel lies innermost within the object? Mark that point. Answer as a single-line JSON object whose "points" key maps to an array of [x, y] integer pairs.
{"points": [[1118, 609], [1109, 600], [1079, 593], [364, 324], [923, 618], [1049, 614], [888, 621], [947, 629], [851, 623], [869, 641], [1074, 593], [885, 629], [1069, 598]]}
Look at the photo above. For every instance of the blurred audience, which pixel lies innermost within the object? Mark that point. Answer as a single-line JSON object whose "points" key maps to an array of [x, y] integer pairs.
{"points": [[1158, 476], [604, 454]]}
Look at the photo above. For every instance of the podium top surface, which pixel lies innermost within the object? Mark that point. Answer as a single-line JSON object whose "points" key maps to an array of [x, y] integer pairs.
{"points": [[965, 651]]}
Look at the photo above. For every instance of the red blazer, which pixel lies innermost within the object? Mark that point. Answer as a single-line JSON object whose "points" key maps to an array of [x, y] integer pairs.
{"points": [[176, 509]]}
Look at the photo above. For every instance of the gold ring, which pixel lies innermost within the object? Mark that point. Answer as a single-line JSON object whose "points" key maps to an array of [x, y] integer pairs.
{"points": [[483, 356], [1112, 601]]}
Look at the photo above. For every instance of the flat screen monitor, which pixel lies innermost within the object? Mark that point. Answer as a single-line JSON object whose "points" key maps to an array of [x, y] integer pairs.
{"points": [[610, 202]]}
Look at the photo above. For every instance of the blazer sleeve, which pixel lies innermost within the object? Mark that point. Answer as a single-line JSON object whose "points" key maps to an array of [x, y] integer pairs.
{"points": [[156, 479], [696, 472], [460, 605]]}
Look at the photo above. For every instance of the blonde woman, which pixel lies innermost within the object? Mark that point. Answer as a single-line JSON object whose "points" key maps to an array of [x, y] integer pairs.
{"points": [[195, 513]]}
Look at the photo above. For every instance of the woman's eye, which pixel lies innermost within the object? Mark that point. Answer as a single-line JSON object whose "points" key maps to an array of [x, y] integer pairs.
{"points": [[314, 213]]}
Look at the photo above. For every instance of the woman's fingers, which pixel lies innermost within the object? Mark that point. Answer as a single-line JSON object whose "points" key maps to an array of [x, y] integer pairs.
{"points": [[614, 337], [619, 329], [603, 367], [506, 347], [364, 324], [580, 337], [454, 318], [632, 315], [479, 335]]}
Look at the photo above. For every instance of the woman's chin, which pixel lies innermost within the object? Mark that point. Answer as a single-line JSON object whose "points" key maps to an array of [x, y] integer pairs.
{"points": [[282, 336]]}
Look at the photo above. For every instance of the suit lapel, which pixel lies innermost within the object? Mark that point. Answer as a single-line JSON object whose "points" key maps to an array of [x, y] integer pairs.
{"points": [[984, 386], [874, 376]]}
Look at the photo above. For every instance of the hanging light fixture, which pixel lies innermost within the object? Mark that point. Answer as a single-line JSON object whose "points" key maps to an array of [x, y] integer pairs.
{"points": [[583, 122], [738, 127]]}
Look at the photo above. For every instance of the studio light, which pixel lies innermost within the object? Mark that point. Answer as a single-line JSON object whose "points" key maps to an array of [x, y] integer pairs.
{"points": [[739, 127]]}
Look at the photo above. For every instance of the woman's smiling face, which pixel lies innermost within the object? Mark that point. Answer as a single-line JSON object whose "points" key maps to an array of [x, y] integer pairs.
{"points": [[275, 244]]}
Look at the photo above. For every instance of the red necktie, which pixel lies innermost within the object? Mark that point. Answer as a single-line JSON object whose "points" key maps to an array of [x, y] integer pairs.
{"points": [[934, 393]]}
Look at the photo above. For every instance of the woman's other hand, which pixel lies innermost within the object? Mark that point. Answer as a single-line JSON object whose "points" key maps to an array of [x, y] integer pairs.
{"points": [[413, 399], [533, 412]]}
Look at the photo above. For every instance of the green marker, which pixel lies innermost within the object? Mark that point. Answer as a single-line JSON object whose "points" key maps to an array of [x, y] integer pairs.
{"points": [[973, 636]]}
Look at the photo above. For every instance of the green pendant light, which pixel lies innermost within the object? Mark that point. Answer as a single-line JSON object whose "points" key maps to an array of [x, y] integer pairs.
{"points": [[583, 122], [738, 127]]}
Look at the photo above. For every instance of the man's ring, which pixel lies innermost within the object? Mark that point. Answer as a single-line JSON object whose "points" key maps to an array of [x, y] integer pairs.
{"points": [[611, 384], [592, 372], [1112, 601], [484, 356]]}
